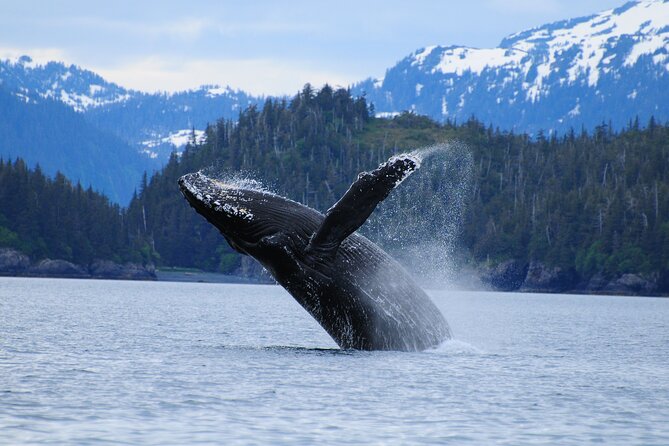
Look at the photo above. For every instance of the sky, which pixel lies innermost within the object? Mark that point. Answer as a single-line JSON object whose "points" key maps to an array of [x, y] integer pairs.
{"points": [[262, 47]]}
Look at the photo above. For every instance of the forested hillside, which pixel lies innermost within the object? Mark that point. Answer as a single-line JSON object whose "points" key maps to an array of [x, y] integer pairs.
{"points": [[60, 139], [586, 204], [52, 218], [594, 203]]}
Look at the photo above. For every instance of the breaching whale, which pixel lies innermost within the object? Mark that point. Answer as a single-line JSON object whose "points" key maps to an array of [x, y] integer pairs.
{"points": [[361, 296]]}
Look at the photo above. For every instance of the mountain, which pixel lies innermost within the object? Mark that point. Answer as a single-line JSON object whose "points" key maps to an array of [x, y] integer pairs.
{"points": [[71, 120], [158, 123], [154, 123], [611, 66], [53, 135], [585, 212], [78, 88]]}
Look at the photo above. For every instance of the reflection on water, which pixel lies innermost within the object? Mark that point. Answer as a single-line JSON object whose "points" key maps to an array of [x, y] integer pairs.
{"points": [[85, 361]]}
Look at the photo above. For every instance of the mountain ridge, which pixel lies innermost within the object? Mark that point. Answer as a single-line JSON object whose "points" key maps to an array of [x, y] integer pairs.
{"points": [[608, 66], [569, 73], [148, 121], [76, 87], [51, 134]]}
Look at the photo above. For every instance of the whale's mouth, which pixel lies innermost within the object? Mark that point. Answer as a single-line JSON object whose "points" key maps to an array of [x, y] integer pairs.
{"points": [[243, 216], [221, 198]]}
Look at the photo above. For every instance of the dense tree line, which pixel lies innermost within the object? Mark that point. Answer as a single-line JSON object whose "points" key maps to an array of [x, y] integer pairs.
{"points": [[593, 203], [52, 218], [589, 203]]}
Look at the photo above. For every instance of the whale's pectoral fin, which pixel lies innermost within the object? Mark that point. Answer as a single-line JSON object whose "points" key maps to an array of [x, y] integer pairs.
{"points": [[357, 204]]}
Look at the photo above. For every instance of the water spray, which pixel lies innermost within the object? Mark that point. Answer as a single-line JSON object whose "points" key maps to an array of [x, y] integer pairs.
{"points": [[420, 222]]}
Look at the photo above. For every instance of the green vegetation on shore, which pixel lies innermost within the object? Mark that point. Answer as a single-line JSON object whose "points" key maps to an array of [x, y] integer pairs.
{"points": [[52, 218]]}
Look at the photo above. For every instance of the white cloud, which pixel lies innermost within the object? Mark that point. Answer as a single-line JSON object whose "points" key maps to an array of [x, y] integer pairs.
{"points": [[188, 28], [185, 28], [267, 27], [38, 55], [257, 76], [525, 6]]}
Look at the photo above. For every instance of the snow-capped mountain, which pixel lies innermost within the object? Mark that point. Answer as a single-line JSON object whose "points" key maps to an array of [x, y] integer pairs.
{"points": [[71, 120], [610, 66], [156, 123], [80, 89], [53, 135], [152, 123]]}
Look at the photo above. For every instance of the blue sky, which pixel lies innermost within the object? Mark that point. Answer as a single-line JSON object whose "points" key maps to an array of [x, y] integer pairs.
{"points": [[265, 47]]}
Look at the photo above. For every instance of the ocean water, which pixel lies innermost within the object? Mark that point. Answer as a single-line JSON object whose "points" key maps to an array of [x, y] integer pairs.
{"points": [[105, 362]]}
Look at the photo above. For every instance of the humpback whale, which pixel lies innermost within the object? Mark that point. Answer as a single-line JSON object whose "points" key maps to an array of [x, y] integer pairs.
{"points": [[361, 296]]}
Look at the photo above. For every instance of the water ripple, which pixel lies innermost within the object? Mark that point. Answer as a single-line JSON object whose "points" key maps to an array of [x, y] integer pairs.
{"points": [[98, 362]]}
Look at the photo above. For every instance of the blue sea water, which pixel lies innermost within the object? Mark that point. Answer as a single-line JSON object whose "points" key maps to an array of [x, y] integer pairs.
{"points": [[110, 362]]}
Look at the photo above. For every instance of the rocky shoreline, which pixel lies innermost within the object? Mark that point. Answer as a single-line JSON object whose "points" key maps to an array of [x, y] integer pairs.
{"points": [[537, 277], [15, 263], [510, 275]]}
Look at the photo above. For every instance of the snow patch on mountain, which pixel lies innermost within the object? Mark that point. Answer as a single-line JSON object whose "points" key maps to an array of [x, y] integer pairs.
{"points": [[591, 40], [458, 60], [178, 139], [533, 78], [217, 90], [78, 88]]}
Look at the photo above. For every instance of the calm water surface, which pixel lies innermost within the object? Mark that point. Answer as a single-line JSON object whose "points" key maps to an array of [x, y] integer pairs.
{"points": [[86, 362]]}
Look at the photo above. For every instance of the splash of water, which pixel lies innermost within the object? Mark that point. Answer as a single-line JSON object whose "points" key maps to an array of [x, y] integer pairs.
{"points": [[419, 223], [235, 180]]}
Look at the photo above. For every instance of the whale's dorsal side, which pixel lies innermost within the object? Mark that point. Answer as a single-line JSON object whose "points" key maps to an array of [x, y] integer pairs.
{"points": [[357, 204]]}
